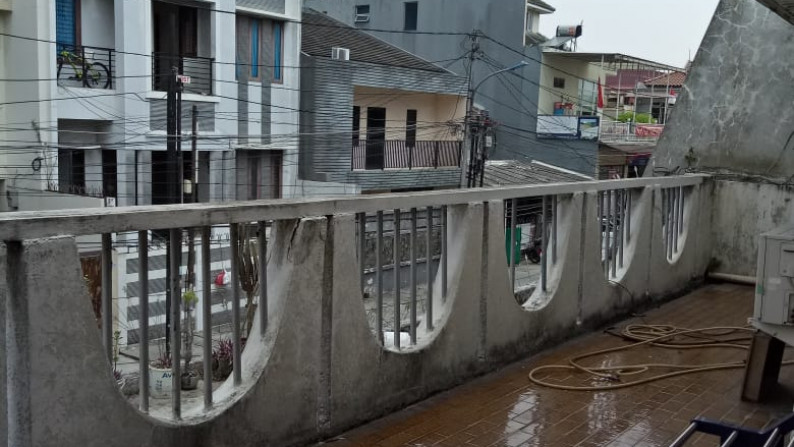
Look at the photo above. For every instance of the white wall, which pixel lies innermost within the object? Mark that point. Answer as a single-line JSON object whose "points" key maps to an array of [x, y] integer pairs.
{"points": [[97, 23], [572, 71]]}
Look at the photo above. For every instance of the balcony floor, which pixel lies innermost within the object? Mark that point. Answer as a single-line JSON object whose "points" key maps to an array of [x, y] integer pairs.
{"points": [[505, 409]]}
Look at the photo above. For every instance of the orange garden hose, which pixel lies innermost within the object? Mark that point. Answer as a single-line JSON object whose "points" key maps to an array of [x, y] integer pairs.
{"points": [[653, 335]]}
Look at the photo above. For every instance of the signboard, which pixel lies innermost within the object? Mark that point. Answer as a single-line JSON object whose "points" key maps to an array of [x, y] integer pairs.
{"points": [[565, 127], [589, 127], [568, 127], [184, 79]]}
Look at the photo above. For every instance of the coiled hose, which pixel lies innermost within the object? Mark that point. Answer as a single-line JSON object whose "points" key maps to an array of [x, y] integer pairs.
{"points": [[662, 336]]}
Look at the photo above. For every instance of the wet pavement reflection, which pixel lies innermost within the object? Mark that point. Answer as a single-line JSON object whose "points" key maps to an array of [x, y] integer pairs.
{"points": [[506, 409]]}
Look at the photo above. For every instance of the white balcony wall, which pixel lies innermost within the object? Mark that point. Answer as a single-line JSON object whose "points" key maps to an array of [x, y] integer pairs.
{"points": [[97, 26]]}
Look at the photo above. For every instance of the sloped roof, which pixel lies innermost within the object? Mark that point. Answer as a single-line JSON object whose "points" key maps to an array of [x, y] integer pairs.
{"points": [[675, 79], [514, 172], [628, 79], [541, 4], [321, 33]]}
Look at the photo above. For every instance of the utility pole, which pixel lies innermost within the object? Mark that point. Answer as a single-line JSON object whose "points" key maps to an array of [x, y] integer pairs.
{"points": [[467, 156], [174, 188], [192, 198]]}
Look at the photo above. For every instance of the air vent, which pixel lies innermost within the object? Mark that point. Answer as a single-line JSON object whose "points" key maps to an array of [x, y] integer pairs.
{"points": [[362, 18], [340, 54]]}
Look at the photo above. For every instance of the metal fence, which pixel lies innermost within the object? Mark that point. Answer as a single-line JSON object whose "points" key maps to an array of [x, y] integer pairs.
{"points": [[200, 70], [86, 67], [398, 154]]}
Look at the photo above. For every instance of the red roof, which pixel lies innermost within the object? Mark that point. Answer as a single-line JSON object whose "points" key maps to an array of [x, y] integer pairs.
{"points": [[675, 79]]}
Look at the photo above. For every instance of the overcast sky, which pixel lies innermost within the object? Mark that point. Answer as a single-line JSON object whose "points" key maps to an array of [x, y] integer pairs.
{"points": [[662, 31]]}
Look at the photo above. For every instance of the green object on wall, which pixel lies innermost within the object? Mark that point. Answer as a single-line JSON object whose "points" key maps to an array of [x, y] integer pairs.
{"points": [[517, 255]]}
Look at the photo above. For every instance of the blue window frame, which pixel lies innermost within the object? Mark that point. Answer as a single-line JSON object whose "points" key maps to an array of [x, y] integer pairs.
{"points": [[66, 22], [255, 49], [278, 32]]}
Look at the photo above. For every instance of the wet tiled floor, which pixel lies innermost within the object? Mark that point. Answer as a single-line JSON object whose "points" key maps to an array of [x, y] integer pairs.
{"points": [[505, 409]]}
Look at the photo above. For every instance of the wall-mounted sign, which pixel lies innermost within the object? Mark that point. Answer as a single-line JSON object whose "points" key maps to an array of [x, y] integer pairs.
{"points": [[565, 127], [589, 127]]}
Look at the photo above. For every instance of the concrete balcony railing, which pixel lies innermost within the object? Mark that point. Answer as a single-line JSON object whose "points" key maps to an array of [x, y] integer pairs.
{"points": [[326, 350]]}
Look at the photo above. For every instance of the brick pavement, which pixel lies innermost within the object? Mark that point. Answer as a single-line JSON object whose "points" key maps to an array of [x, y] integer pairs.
{"points": [[505, 409]]}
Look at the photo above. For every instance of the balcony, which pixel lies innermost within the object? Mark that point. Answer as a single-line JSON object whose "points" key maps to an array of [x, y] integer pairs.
{"points": [[367, 304], [199, 69], [86, 67], [617, 132], [398, 154]]}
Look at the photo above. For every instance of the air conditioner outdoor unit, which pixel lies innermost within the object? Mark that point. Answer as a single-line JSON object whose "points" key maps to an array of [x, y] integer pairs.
{"points": [[362, 18], [340, 54], [774, 294]]}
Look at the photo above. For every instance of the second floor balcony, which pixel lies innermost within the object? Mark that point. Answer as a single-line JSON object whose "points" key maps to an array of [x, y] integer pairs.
{"points": [[402, 154], [198, 69], [618, 132], [81, 66]]}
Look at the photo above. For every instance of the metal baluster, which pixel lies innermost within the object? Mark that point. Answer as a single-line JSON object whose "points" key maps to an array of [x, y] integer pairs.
{"points": [[554, 202], [444, 253], [628, 215], [263, 298], [681, 211], [622, 225], [670, 223], [379, 275], [512, 260], [175, 239], [396, 266], [544, 245], [600, 205], [665, 227], [607, 231], [143, 297], [362, 235], [677, 218], [235, 273], [429, 265], [615, 232], [206, 313], [107, 294], [413, 276]]}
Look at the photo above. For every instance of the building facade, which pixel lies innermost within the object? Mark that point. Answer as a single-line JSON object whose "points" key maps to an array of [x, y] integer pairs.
{"points": [[436, 30], [90, 119], [375, 118]]}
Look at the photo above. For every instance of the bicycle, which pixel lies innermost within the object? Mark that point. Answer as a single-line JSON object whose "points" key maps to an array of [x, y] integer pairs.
{"points": [[91, 74]]}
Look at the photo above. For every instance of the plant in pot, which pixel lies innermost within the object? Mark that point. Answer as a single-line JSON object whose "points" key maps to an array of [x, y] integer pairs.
{"points": [[161, 379], [189, 377], [222, 358]]}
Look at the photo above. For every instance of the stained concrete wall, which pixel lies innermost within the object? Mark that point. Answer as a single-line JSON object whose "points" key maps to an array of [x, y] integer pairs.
{"points": [[318, 369], [733, 119]]}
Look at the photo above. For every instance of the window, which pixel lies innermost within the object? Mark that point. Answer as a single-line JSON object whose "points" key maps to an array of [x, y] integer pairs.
{"points": [[356, 125], [410, 128], [411, 15], [278, 46], [254, 37], [362, 14], [67, 18], [559, 82]]}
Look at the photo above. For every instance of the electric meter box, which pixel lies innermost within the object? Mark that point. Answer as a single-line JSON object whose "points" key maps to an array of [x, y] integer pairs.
{"points": [[774, 294]]}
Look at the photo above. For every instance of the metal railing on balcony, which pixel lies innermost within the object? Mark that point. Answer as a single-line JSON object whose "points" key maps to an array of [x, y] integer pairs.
{"points": [[311, 293], [199, 69], [86, 67], [614, 131], [398, 154]]}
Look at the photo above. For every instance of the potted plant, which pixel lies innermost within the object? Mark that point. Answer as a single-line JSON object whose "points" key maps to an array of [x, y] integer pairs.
{"points": [[189, 377], [222, 360], [161, 379]]}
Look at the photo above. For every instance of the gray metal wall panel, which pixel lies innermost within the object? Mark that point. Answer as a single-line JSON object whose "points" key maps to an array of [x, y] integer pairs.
{"points": [[206, 118], [277, 6]]}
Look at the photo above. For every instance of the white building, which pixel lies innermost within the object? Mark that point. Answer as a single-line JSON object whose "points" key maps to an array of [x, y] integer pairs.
{"points": [[89, 117]]}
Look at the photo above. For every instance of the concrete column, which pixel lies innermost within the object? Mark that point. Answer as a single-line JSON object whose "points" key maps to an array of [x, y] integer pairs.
{"points": [[3, 384], [144, 178]]}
